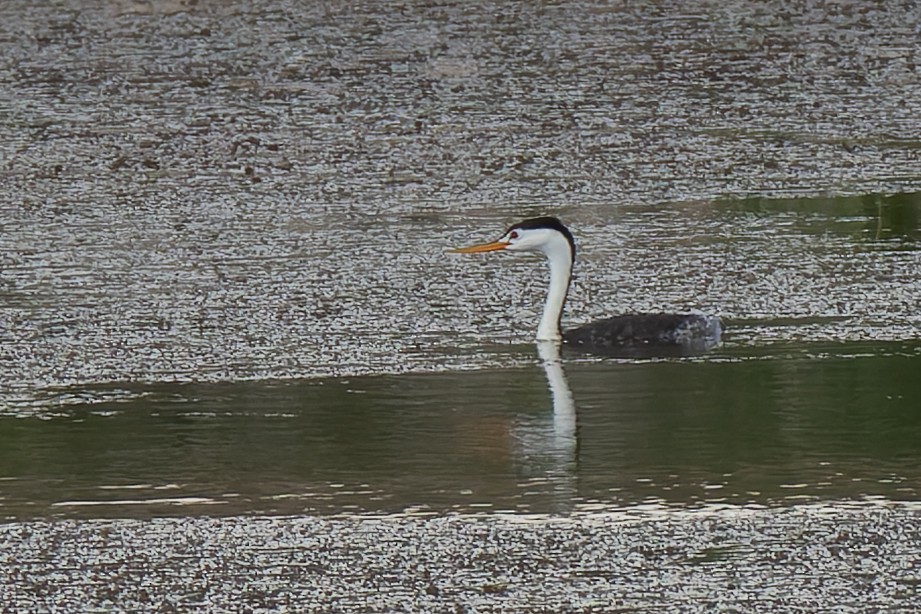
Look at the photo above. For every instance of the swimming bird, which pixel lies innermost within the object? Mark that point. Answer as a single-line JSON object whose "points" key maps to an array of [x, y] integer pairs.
{"points": [[629, 334]]}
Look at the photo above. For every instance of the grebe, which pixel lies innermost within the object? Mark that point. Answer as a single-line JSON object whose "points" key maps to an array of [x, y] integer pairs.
{"points": [[630, 334]]}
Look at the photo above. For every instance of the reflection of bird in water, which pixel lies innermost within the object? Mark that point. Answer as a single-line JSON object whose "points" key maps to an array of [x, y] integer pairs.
{"points": [[641, 333], [549, 445], [564, 409]]}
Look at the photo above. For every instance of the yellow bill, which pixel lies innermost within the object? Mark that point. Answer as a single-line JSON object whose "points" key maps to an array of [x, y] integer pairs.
{"points": [[483, 247]]}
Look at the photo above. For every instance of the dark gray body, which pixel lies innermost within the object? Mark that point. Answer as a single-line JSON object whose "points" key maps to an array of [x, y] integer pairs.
{"points": [[646, 334]]}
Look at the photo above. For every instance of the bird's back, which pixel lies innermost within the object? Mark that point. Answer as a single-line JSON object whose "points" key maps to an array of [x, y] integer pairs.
{"points": [[667, 333]]}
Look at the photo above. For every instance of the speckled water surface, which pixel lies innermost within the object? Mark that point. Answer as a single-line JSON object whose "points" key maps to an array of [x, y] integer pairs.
{"points": [[245, 190], [224, 293], [854, 558]]}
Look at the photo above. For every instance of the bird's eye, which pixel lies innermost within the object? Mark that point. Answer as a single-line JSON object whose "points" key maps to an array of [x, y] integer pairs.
{"points": [[513, 234]]}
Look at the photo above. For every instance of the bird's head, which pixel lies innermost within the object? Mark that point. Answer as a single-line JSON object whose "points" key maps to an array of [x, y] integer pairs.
{"points": [[540, 234]]}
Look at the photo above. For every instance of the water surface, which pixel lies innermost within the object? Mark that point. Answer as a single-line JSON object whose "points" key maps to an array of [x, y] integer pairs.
{"points": [[798, 424], [256, 190], [225, 297]]}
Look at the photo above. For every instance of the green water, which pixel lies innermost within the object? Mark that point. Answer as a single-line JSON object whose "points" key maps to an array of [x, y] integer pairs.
{"points": [[801, 423]]}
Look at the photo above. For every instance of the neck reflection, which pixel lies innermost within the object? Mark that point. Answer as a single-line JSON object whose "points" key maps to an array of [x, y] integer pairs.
{"points": [[564, 409], [549, 447]]}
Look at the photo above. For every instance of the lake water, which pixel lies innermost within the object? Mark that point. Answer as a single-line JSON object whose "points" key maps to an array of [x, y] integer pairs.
{"points": [[225, 292], [799, 424], [811, 395]]}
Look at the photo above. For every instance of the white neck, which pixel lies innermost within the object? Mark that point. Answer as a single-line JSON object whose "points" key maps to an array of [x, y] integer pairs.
{"points": [[559, 255]]}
